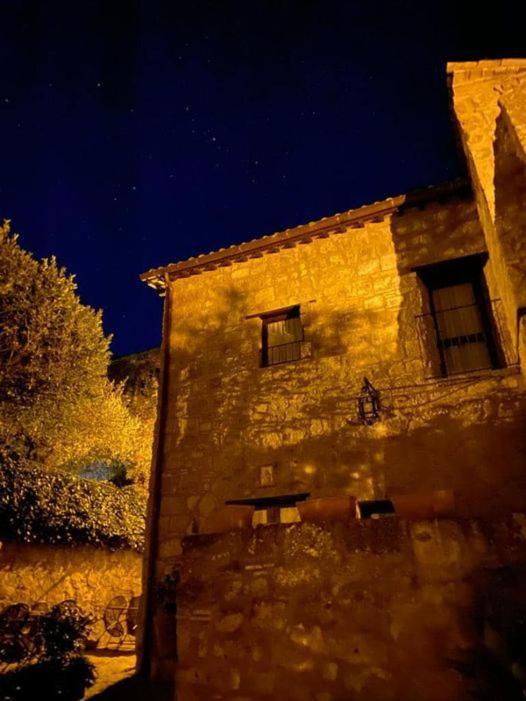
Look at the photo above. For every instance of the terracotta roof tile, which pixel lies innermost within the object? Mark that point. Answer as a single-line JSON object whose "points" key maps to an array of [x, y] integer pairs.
{"points": [[336, 223]]}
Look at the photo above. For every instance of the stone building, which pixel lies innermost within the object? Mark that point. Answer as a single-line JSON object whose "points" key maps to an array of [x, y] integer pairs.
{"points": [[339, 473], [139, 372]]}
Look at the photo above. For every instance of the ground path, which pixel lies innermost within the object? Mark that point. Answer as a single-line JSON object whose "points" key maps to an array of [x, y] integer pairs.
{"points": [[111, 667], [116, 680]]}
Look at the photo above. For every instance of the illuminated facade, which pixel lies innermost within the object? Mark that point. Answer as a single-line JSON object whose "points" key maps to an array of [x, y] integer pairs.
{"points": [[364, 365]]}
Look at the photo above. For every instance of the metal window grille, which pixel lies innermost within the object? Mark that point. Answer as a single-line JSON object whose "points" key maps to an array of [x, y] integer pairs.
{"points": [[464, 338], [282, 337]]}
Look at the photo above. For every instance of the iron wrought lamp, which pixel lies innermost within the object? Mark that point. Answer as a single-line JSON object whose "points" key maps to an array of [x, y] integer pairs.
{"points": [[368, 403]]}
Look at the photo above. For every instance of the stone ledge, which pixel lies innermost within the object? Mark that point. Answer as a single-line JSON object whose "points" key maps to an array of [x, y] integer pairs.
{"points": [[499, 65]]}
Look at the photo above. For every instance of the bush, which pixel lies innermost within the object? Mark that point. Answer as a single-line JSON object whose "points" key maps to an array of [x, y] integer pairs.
{"points": [[64, 630], [47, 648], [50, 679], [40, 506]]}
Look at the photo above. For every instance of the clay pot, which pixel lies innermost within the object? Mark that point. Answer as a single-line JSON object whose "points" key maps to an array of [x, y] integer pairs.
{"points": [[424, 505], [340, 508], [165, 629], [228, 518]]}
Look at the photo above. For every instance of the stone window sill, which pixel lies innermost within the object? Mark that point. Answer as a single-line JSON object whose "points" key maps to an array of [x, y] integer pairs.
{"points": [[487, 374]]}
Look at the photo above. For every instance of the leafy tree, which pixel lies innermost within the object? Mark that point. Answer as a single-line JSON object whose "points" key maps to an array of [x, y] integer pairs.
{"points": [[57, 405], [51, 345]]}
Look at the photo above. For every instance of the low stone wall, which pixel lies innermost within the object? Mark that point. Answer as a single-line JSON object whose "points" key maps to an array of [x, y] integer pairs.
{"points": [[103, 583], [379, 610]]}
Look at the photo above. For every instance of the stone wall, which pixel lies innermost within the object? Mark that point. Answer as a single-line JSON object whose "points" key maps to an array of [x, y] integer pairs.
{"points": [[361, 302], [374, 610], [139, 375], [479, 90], [139, 372], [377, 610], [489, 101], [93, 577]]}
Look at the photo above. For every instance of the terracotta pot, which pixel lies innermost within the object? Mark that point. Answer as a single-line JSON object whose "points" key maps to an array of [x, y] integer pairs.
{"points": [[327, 509], [165, 628], [424, 505], [228, 518]]}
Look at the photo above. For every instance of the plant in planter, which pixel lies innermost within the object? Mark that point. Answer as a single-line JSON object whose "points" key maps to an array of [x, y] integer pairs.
{"points": [[336, 508], [165, 623], [424, 505], [228, 518]]}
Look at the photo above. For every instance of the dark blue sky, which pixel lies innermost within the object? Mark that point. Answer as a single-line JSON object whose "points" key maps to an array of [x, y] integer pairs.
{"points": [[135, 134]]}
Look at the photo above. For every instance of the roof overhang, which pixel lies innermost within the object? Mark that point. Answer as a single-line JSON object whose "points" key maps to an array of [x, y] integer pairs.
{"points": [[157, 278]]}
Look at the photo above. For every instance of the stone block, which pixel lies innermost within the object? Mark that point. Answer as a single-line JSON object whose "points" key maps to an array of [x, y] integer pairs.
{"points": [[262, 683], [170, 548], [329, 671], [229, 623]]}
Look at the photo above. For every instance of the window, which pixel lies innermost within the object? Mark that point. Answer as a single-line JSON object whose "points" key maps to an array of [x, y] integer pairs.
{"points": [[461, 316], [277, 509], [282, 336]]}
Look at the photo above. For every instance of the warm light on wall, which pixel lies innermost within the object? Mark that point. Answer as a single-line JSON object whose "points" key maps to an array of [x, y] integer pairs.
{"points": [[368, 403]]}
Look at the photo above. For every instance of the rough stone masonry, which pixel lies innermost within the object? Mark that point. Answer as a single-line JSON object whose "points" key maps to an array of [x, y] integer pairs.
{"points": [[425, 296]]}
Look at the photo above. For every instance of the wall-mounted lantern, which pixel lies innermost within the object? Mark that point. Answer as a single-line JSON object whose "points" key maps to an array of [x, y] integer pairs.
{"points": [[368, 403]]}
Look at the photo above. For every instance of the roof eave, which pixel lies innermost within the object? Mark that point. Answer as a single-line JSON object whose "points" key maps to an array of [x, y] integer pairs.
{"points": [[305, 233]]}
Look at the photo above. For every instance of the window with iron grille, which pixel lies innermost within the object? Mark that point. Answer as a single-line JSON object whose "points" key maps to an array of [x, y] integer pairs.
{"points": [[282, 336], [460, 312]]}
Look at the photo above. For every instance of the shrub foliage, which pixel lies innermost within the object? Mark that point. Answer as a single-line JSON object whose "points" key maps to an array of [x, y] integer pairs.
{"points": [[46, 651], [51, 679], [40, 506]]}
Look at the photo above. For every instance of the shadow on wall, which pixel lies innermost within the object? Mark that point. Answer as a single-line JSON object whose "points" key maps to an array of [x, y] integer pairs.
{"points": [[464, 432], [510, 210], [106, 585], [235, 416], [230, 417]]}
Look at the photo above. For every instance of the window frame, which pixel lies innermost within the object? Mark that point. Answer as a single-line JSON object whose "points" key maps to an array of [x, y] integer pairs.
{"points": [[293, 312], [462, 271]]}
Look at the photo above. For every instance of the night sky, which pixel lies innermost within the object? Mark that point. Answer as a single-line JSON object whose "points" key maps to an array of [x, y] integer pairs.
{"points": [[135, 134]]}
